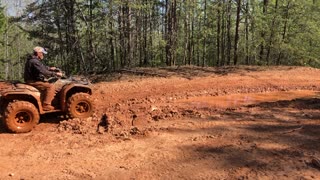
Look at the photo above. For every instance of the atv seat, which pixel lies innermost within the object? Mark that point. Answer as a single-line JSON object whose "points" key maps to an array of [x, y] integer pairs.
{"points": [[20, 85]]}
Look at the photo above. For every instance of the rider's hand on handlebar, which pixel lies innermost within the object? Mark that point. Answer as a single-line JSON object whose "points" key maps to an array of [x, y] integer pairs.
{"points": [[59, 74], [52, 68]]}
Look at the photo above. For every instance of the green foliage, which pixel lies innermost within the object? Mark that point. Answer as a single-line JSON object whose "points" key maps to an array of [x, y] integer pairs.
{"points": [[14, 47], [2, 19], [85, 36]]}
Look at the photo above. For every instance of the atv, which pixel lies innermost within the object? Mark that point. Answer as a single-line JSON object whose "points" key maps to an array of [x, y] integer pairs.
{"points": [[21, 105]]}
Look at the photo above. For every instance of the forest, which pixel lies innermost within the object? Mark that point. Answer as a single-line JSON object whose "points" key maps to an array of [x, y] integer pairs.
{"points": [[101, 36]]}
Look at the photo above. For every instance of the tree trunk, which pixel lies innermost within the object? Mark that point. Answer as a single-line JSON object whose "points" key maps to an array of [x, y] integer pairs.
{"points": [[191, 45], [168, 32], [284, 32], [111, 35], [218, 32], [247, 33], [223, 35], [129, 34], [198, 42], [236, 39], [145, 37], [187, 36], [90, 34], [204, 53], [263, 32], [229, 32], [272, 31], [6, 54]]}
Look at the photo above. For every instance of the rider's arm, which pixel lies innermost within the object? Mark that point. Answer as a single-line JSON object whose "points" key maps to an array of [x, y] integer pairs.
{"points": [[43, 69]]}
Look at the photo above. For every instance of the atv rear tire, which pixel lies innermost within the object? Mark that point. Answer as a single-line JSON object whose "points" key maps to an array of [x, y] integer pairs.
{"points": [[21, 116], [80, 105]]}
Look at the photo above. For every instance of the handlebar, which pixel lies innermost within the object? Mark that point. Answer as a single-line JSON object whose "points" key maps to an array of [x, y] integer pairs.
{"points": [[55, 77], [57, 70]]}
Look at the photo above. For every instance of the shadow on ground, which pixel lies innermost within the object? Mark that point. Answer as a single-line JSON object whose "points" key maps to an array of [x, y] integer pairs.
{"points": [[278, 137]]}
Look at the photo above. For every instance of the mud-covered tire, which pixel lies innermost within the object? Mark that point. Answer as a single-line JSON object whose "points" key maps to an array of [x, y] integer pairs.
{"points": [[80, 105], [21, 116]]}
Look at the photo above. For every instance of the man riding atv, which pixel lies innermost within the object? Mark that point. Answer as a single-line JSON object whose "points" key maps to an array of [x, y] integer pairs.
{"points": [[22, 104], [35, 73]]}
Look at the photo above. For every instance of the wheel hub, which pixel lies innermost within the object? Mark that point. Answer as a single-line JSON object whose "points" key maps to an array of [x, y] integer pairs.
{"points": [[22, 117], [82, 107]]}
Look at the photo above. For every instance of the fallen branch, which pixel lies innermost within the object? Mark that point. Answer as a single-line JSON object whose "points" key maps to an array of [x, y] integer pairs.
{"points": [[293, 130]]}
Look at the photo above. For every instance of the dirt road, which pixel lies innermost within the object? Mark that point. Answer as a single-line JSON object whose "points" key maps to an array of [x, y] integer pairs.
{"points": [[180, 123]]}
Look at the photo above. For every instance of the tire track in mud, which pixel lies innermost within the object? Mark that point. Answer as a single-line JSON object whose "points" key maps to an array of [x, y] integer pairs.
{"points": [[135, 116]]}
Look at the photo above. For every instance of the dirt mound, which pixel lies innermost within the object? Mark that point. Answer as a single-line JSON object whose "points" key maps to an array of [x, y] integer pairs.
{"points": [[124, 123], [79, 125]]}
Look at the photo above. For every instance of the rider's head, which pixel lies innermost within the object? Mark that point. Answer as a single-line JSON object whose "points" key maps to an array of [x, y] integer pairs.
{"points": [[39, 51]]}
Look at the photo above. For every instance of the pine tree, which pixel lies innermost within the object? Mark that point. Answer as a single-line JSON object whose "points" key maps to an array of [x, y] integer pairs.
{"points": [[103, 35]]}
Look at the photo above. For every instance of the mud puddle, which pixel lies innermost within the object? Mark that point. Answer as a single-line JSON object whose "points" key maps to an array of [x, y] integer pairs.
{"points": [[238, 100]]}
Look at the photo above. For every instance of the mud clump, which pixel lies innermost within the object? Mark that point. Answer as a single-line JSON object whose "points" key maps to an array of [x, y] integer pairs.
{"points": [[123, 124], [79, 125], [114, 124], [165, 112]]}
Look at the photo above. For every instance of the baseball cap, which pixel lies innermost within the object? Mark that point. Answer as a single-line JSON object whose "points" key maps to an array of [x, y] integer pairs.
{"points": [[40, 49]]}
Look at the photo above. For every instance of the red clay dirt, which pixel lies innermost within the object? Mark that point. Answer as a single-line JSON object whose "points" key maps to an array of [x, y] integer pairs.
{"points": [[167, 123]]}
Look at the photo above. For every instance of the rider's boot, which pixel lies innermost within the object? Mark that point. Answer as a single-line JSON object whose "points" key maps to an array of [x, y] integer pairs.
{"points": [[47, 107]]}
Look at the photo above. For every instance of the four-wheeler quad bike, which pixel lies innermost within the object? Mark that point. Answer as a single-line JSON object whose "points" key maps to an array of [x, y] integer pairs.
{"points": [[21, 105]]}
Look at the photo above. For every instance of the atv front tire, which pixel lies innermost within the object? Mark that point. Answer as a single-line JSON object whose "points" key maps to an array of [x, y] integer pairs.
{"points": [[80, 105], [21, 116]]}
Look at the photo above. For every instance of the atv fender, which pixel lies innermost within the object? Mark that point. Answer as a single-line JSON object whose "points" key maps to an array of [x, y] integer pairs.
{"points": [[71, 89], [33, 97]]}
